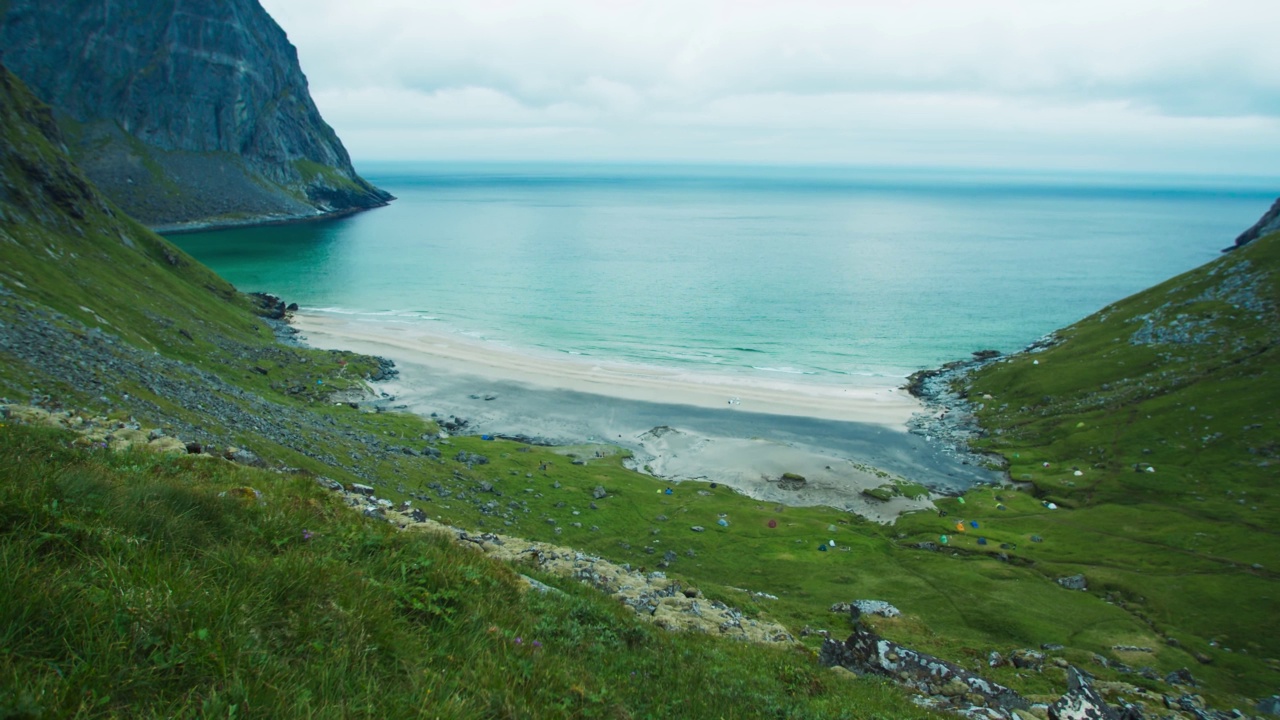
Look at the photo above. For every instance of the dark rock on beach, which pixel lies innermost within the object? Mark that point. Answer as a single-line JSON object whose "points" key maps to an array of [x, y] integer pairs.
{"points": [[948, 420]]}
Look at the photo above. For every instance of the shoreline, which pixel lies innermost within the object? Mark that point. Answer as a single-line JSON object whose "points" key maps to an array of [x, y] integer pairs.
{"points": [[211, 225], [679, 426], [882, 404]]}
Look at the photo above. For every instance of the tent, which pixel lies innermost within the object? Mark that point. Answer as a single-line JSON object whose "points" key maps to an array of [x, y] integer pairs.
{"points": [[773, 523]]}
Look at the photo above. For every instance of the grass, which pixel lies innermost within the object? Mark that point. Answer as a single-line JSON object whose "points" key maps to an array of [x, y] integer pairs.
{"points": [[1189, 547], [313, 172], [136, 585]]}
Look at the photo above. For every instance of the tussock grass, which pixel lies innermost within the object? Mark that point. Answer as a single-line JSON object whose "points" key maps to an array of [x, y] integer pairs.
{"points": [[131, 586]]}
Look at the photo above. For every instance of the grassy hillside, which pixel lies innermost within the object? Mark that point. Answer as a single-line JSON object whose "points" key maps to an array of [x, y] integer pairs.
{"points": [[151, 595], [1154, 427], [139, 585]]}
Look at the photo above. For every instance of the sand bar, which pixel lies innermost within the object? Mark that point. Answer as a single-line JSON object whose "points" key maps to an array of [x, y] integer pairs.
{"points": [[866, 402]]}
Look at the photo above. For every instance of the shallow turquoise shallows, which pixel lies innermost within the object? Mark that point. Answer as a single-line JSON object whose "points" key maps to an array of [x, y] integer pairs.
{"points": [[805, 272]]}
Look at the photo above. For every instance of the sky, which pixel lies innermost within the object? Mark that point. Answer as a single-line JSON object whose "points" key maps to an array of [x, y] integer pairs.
{"points": [[1132, 86]]}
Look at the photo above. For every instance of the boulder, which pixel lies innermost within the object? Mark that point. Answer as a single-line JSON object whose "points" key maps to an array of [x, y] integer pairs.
{"points": [[876, 607], [471, 458], [1081, 701], [599, 493], [1026, 659], [245, 457], [1074, 582], [122, 440], [169, 445], [1269, 706]]}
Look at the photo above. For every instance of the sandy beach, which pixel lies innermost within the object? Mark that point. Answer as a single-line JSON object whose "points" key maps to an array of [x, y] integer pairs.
{"points": [[877, 404], [743, 432]]}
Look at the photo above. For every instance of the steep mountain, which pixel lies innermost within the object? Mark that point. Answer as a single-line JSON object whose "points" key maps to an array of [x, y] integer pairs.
{"points": [[184, 112]]}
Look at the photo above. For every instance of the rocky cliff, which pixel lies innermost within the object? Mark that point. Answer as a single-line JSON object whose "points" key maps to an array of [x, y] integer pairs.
{"points": [[1268, 223], [184, 112]]}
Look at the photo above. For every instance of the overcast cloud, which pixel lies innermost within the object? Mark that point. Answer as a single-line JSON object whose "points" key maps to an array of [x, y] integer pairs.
{"points": [[1128, 85]]}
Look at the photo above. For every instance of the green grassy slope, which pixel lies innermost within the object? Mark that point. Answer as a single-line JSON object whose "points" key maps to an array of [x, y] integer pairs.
{"points": [[1154, 425], [134, 585]]}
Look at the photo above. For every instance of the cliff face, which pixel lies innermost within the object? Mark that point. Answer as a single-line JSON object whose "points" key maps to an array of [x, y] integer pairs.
{"points": [[184, 111], [1268, 223]]}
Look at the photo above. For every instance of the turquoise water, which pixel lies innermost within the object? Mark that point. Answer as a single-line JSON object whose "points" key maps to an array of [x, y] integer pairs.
{"points": [[805, 273]]}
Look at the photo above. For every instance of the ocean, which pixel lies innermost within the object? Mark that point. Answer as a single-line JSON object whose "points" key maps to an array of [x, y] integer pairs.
{"points": [[813, 274]]}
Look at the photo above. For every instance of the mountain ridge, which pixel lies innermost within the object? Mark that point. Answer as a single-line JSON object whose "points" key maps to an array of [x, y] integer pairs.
{"points": [[187, 113]]}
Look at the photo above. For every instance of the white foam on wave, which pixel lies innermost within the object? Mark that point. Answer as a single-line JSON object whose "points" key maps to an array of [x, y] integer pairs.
{"points": [[787, 370], [412, 314]]}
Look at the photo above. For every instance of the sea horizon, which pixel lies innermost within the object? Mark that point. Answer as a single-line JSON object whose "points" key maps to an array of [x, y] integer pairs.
{"points": [[826, 274]]}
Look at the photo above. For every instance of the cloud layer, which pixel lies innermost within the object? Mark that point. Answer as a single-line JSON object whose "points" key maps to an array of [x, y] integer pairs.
{"points": [[1119, 85]]}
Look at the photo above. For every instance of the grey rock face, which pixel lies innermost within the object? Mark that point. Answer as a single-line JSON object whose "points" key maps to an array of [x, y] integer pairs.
{"points": [[865, 652], [1081, 702], [1267, 224], [184, 111]]}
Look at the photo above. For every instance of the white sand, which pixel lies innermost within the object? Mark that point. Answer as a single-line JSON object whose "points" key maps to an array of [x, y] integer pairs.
{"points": [[836, 436], [882, 405]]}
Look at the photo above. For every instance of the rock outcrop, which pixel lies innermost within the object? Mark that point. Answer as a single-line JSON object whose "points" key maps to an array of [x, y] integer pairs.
{"points": [[1081, 702], [184, 112], [864, 652], [1267, 224]]}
